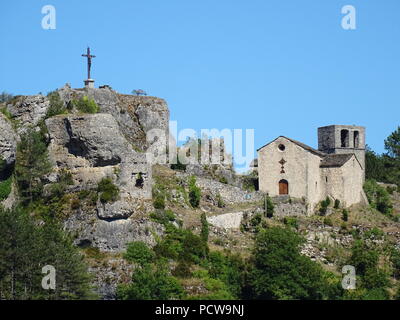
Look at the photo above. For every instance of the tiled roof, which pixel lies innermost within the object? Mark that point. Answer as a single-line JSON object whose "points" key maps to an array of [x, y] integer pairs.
{"points": [[335, 160]]}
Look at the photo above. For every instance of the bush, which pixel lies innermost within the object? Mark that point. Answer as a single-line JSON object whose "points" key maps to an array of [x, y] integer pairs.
{"points": [[324, 206], [194, 193], [56, 105], [108, 190], [194, 248], [345, 215], [159, 201], [85, 105], [5, 188], [182, 270], [255, 220], [268, 207], [223, 180], [279, 271], [337, 204], [204, 227], [163, 216], [153, 283], [75, 204], [291, 222], [378, 197], [138, 252], [220, 202], [328, 222]]}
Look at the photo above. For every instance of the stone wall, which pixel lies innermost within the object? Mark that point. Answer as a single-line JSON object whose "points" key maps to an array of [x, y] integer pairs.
{"points": [[301, 170]]}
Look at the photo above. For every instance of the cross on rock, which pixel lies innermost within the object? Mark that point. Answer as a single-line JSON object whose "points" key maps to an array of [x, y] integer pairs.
{"points": [[89, 61]]}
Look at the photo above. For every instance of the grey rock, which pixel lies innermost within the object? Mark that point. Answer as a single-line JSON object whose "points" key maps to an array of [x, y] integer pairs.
{"points": [[8, 141], [29, 110], [92, 147]]}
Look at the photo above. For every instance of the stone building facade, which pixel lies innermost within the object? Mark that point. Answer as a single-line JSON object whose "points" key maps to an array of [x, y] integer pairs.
{"points": [[335, 170]]}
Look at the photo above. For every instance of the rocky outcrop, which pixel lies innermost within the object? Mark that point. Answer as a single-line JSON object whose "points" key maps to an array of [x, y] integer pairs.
{"points": [[110, 235], [8, 142], [28, 110], [137, 116], [91, 147]]}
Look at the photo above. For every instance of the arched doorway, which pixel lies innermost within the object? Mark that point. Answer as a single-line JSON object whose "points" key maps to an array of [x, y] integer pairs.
{"points": [[283, 187]]}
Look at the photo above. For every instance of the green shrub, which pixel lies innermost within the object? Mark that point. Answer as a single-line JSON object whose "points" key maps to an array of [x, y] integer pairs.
{"points": [[182, 270], [223, 180], [256, 220], [150, 284], [328, 222], [85, 105], [345, 215], [108, 190], [268, 207], [279, 271], [291, 222], [194, 248], [6, 113], [378, 197], [391, 189], [159, 201], [204, 227], [138, 252], [75, 204], [194, 193], [5, 188], [337, 204], [324, 206], [163, 216], [56, 105], [220, 202]]}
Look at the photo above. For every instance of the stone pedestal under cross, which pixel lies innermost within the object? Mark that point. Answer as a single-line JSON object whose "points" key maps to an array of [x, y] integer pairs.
{"points": [[89, 82]]}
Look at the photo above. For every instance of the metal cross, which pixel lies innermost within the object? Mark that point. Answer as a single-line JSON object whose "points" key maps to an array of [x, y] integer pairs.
{"points": [[89, 60]]}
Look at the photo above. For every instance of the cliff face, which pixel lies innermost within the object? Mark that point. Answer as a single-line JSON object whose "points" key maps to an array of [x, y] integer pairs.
{"points": [[109, 144]]}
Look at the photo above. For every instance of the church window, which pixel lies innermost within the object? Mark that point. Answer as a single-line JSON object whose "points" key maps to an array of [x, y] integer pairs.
{"points": [[281, 147], [326, 179], [356, 139], [344, 138]]}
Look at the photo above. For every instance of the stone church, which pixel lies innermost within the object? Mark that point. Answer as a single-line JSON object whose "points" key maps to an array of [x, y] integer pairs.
{"points": [[335, 170]]}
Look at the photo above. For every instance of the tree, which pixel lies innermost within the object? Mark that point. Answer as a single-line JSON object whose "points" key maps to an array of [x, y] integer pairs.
{"points": [[392, 144], [373, 280], [25, 247], [5, 97], [151, 283], [204, 227], [194, 193], [32, 165], [279, 271]]}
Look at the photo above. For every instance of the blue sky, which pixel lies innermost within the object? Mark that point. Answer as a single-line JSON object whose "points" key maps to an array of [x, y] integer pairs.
{"points": [[281, 67]]}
